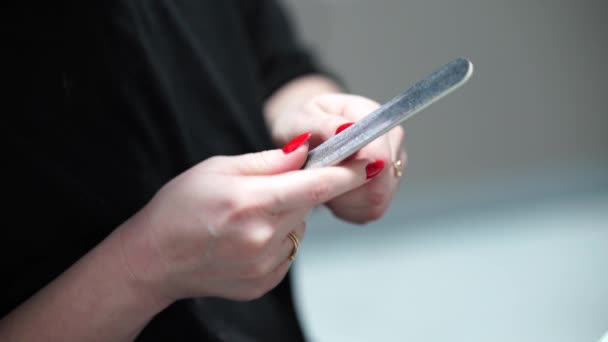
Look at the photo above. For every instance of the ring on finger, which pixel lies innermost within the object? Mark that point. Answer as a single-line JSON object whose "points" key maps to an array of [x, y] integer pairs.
{"points": [[296, 243], [398, 167]]}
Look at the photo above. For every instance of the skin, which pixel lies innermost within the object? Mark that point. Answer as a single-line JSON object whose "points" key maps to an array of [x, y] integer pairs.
{"points": [[219, 229], [314, 104]]}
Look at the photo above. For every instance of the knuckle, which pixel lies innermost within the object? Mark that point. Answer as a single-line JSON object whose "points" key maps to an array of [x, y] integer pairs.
{"points": [[236, 210], [242, 209], [227, 201], [260, 161], [276, 200], [231, 204], [256, 200], [257, 241], [315, 105], [319, 192]]}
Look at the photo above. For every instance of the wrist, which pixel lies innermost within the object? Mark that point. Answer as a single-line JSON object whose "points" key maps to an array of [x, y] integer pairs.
{"points": [[141, 275]]}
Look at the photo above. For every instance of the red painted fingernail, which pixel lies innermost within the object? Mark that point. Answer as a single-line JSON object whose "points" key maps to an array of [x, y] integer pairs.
{"points": [[373, 169], [343, 127], [296, 142]]}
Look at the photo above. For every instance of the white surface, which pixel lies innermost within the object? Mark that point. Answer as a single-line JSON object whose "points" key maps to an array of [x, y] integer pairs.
{"points": [[534, 271]]}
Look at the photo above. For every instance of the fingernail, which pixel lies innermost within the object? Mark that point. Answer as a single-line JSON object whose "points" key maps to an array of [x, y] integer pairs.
{"points": [[373, 169], [296, 142], [343, 127]]}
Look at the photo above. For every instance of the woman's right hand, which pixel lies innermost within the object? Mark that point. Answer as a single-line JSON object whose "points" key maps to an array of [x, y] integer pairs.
{"points": [[220, 229]]}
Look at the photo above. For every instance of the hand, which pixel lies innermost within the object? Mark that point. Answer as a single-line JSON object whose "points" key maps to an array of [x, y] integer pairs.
{"points": [[220, 229], [325, 114]]}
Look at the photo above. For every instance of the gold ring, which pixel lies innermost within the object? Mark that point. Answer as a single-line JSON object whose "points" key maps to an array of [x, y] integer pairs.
{"points": [[398, 166], [296, 244]]}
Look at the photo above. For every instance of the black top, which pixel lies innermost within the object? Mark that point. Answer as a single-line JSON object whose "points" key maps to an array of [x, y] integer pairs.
{"points": [[110, 99]]}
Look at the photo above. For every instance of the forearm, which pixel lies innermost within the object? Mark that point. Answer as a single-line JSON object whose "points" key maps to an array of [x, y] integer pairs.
{"points": [[295, 93], [96, 299]]}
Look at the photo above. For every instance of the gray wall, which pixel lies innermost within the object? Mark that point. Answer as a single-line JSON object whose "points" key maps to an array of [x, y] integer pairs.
{"points": [[532, 120]]}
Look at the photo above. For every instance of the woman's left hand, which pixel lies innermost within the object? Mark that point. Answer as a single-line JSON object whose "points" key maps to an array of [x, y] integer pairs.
{"points": [[325, 116]]}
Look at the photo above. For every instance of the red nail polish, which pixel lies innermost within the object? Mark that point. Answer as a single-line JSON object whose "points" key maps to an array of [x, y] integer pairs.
{"points": [[343, 127], [296, 142], [373, 169]]}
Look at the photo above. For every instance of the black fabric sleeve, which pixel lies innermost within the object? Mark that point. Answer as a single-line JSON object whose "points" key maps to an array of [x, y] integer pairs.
{"points": [[281, 56]]}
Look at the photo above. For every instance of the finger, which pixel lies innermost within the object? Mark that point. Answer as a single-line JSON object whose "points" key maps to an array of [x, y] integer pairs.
{"points": [[277, 275], [369, 195], [378, 149], [286, 247], [286, 220], [359, 215], [389, 148], [396, 137], [290, 247], [329, 114], [368, 202], [349, 106], [352, 108], [269, 162], [308, 188], [281, 251], [372, 198], [322, 124]]}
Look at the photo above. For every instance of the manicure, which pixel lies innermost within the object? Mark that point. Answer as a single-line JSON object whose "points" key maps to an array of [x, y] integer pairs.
{"points": [[296, 142], [343, 127], [374, 168]]}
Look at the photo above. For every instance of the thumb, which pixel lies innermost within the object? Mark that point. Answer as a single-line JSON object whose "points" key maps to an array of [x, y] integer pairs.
{"points": [[291, 157]]}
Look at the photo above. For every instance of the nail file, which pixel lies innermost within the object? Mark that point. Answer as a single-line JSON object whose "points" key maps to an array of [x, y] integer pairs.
{"points": [[394, 112]]}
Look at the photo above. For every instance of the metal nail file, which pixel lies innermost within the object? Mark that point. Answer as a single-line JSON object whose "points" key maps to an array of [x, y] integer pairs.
{"points": [[402, 107]]}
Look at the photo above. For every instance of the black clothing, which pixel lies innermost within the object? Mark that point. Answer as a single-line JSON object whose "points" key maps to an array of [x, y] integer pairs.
{"points": [[109, 100]]}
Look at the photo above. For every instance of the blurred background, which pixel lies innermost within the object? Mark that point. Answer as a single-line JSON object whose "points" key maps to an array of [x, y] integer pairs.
{"points": [[500, 229]]}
